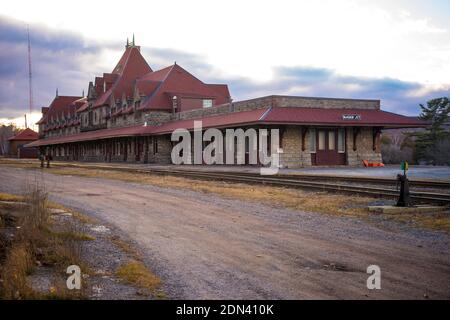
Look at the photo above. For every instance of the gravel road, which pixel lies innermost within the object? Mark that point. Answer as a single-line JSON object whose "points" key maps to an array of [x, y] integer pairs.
{"points": [[209, 247]]}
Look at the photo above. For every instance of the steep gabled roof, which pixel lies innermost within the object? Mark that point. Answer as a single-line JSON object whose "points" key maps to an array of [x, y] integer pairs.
{"points": [[174, 79], [131, 66], [132, 62], [25, 135], [61, 105]]}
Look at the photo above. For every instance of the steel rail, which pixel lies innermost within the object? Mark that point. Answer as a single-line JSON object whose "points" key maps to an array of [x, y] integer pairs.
{"points": [[280, 180], [293, 181]]}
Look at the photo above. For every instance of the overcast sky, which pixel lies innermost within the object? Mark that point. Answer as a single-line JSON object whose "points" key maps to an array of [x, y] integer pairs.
{"points": [[397, 51]]}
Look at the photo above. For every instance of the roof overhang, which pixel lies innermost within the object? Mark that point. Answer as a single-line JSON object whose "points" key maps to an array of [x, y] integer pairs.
{"points": [[265, 116]]}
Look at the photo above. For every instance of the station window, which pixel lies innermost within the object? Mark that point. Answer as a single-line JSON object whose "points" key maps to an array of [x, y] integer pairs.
{"points": [[155, 145], [207, 103], [331, 140], [312, 140], [321, 140], [341, 140]]}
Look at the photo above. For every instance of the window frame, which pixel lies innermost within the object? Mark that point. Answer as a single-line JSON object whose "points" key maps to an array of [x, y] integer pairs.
{"points": [[312, 140], [331, 140], [319, 134], [341, 134], [210, 104]]}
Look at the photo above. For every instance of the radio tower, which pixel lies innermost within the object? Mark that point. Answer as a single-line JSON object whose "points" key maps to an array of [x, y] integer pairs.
{"points": [[30, 82]]}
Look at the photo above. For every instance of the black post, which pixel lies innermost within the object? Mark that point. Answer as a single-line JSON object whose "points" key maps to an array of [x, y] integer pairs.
{"points": [[404, 199], [41, 157]]}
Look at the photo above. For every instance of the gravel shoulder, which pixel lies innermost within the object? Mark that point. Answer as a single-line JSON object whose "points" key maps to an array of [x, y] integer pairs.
{"points": [[209, 247]]}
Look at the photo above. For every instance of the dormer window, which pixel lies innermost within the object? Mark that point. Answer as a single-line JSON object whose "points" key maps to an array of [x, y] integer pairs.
{"points": [[207, 103], [174, 103]]}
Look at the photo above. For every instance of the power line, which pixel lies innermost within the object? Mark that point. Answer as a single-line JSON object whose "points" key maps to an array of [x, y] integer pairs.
{"points": [[30, 77]]}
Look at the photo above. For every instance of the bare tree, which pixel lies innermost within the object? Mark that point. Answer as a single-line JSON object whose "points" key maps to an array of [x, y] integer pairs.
{"points": [[6, 132]]}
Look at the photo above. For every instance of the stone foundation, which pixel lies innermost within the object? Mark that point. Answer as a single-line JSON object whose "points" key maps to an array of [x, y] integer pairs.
{"points": [[295, 149]]}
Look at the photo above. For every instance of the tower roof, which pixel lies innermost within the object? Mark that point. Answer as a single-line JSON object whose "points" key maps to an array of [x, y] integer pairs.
{"points": [[60, 106], [120, 81], [25, 135]]}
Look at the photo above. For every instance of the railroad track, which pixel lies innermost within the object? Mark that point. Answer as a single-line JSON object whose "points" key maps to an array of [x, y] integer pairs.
{"points": [[299, 181], [311, 182]]}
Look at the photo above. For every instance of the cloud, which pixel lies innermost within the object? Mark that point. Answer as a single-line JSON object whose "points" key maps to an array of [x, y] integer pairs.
{"points": [[59, 60], [68, 61], [395, 95]]}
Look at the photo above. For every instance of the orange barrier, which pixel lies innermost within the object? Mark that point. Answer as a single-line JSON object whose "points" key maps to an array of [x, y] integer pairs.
{"points": [[372, 164]]}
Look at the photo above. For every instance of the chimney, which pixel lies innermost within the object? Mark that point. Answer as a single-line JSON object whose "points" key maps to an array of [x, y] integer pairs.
{"points": [[44, 110]]}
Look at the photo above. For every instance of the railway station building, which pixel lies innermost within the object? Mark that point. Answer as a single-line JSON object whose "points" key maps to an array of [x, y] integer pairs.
{"points": [[130, 113]]}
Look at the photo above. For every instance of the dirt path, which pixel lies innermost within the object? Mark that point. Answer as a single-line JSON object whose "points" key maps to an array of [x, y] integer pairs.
{"points": [[204, 246]]}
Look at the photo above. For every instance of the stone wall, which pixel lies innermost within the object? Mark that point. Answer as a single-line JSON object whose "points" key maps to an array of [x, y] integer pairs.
{"points": [[163, 155], [364, 147], [156, 117], [324, 103], [293, 156], [279, 101]]}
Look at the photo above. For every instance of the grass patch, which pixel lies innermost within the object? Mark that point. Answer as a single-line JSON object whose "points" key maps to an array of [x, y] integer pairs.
{"points": [[10, 197], [136, 273], [125, 247], [295, 199], [85, 219], [290, 198], [435, 221], [35, 242], [70, 235], [18, 264]]}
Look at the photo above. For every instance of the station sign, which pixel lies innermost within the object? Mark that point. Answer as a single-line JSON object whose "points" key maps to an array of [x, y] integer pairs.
{"points": [[351, 117]]}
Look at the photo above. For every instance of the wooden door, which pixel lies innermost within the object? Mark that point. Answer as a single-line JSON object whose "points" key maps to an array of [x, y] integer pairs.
{"points": [[327, 148]]}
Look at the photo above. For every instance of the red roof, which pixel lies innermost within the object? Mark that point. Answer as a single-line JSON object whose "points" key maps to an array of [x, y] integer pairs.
{"points": [[317, 116], [264, 116], [219, 121], [178, 81], [61, 106], [131, 66], [25, 135], [91, 135]]}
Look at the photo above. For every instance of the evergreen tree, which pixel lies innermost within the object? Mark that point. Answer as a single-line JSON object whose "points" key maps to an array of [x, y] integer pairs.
{"points": [[436, 113]]}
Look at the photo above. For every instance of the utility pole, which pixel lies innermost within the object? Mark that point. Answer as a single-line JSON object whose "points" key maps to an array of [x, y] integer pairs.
{"points": [[30, 82]]}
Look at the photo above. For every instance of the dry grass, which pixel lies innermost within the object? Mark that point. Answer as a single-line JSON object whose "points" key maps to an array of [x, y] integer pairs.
{"points": [[85, 219], [287, 197], [136, 273], [125, 247], [36, 242], [67, 235], [18, 264], [436, 221], [10, 197], [296, 199]]}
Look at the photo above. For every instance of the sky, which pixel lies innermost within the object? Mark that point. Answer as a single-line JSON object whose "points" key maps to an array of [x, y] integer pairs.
{"points": [[397, 51]]}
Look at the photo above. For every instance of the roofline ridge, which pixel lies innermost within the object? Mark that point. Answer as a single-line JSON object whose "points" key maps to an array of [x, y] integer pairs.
{"points": [[160, 84]]}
